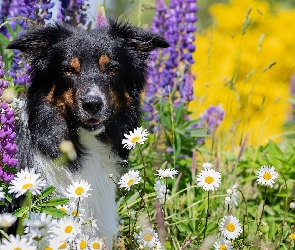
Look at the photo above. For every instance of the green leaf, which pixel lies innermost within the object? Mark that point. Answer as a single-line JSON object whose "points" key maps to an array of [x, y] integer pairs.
{"points": [[55, 202], [4, 40], [21, 211], [55, 212], [2, 203], [46, 192]]}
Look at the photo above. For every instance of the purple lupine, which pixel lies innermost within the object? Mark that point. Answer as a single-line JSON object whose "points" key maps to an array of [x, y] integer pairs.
{"points": [[3, 14], [210, 119], [101, 19], [74, 12], [7, 135], [172, 68]]}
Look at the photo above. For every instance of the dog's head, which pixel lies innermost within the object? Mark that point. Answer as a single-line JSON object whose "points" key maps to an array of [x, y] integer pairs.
{"points": [[88, 76]]}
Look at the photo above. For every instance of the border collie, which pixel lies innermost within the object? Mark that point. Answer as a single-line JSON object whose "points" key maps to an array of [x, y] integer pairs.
{"points": [[85, 88]]}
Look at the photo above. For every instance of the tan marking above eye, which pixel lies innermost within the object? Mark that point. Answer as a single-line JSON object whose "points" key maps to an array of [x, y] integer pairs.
{"points": [[75, 64], [103, 61]]}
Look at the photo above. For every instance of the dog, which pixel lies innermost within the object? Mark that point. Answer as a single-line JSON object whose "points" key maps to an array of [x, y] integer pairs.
{"points": [[85, 87]]}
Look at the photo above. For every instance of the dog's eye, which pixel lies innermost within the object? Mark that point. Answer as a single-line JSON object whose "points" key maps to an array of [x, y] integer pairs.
{"points": [[69, 71], [112, 70]]}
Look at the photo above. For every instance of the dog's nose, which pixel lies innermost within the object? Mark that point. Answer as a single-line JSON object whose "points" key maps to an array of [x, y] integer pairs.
{"points": [[92, 104]]}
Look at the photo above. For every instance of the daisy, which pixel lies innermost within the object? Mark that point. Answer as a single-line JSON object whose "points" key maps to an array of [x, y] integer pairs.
{"points": [[166, 173], [267, 175], [7, 219], [68, 228], [209, 179], [81, 242], [41, 225], [17, 242], [54, 244], [292, 205], [79, 189], [222, 244], [138, 136], [148, 238], [291, 236], [161, 189], [26, 180], [129, 179], [233, 194], [207, 165], [230, 227], [96, 244]]}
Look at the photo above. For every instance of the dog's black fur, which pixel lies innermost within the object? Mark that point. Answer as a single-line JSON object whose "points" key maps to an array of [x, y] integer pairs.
{"points": [[81, 79]]}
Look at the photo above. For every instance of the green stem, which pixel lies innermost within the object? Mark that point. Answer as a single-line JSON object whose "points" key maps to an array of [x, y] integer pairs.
{"points": [[207, 215], [260, 219]]}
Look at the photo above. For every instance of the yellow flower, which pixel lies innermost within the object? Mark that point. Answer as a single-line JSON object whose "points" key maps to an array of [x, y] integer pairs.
{"points": [[292, 236]]}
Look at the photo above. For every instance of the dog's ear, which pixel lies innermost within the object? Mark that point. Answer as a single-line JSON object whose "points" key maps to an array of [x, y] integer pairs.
{"points": [[138, 39], [38, 40]]}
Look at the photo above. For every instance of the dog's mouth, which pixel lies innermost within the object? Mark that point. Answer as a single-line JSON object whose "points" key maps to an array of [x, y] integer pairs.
{"points": [[92, 122]]}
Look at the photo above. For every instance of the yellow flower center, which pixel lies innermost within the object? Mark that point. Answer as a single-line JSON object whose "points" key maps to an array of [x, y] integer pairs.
{"points": [[68, 229], [83, 244], [292, 236], [79, 190], [95, 245], [130, 182], [267, 176], [17, 248], [230, 227], [209, 179], [147, 237], [63, 245], [27, 186], [75, 213], [63, 209], [135, 139], [48, 248], [222, 247]]}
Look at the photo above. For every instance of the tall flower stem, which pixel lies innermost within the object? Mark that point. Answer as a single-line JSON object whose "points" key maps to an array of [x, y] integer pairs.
{"points": [[260, 219], [207, 215]]}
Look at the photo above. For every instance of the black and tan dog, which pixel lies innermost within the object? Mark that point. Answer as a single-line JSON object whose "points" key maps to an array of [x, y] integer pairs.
{"points": [[86, 88]]}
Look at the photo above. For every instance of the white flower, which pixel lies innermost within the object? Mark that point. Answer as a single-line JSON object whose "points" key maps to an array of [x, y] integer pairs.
{"points": [[207, 165], [96, 244], [82, 242], [227, 200], [41, 225], [167, 173], [2, 194], [267, 175], [138, 136], [7, 219], [72, 209], [68, 228], [79, 189], [233, 194], [222, 244], [292, 205], [148, 238], [54, 244], [230, 227], [161, 190], [209, 179], [17, 242], [26, 180], [129, 179]]}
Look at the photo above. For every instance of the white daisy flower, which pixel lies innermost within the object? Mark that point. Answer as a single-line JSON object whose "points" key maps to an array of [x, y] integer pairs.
{"points": [[148, 238], [41, 225], [138, 136], [68, 228], [54, 244], [96, 244], [209, 179], [230, 227], [167, 173], [267, 175], [233, 195], [72, 209], [129, 179], [292, 205], [17, 242], [7, 219], [160, 189], [79, 189], [207, 165], [227, 200], [222, 244], [2, 194], [26, 180], [82, 242]]}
